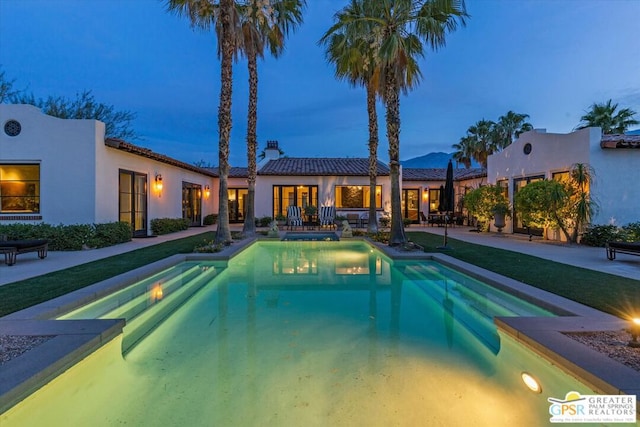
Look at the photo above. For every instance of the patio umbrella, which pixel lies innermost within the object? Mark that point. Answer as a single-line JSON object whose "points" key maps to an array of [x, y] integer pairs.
{"points": [[447, 201]]}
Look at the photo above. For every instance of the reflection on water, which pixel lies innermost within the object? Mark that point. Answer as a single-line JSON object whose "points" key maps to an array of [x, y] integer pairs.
{"points": [[261, 346]]}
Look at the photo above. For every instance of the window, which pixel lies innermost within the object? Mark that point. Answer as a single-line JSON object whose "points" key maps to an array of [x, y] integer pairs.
{"points": [[356, 196], [286, 195], [561, 177], [434, 200], [19, 188]]}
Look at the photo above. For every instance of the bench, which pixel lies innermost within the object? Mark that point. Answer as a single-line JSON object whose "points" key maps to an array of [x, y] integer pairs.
{"points": [[629, 248], [11, 248]]}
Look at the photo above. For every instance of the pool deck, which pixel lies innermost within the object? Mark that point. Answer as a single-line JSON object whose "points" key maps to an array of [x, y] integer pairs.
{"points": [[75, 340]]}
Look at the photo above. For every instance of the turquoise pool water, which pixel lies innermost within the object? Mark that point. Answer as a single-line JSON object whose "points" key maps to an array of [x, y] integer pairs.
{"points": [[303, 334]]}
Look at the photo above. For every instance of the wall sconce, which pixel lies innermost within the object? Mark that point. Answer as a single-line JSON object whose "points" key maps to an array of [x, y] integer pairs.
{"points": [[207, 191], [635, 331], [158, 182], [425, 195]]}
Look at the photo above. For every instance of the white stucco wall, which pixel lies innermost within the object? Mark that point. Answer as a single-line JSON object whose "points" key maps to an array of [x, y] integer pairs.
{"points": [[65, 150], [79, 174], [616, 186]]}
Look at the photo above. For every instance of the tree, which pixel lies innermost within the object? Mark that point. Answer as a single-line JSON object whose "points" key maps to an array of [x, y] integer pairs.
{"points": [[263, 23], [485, 202], [221, 16], [352, 55], [118, 124], [509, 127], [583, 206], [397, 31], [604, 115], [481, 140], [464, 151], [545, 204]]}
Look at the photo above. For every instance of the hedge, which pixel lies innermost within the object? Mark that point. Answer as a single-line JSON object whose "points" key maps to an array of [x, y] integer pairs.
{"points": [[73, 237], [161, 226]]}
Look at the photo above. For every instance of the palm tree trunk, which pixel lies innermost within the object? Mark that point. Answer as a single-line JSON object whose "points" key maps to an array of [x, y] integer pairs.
{"points": [[223, 233], [249, 227], [392, 101], [373, 156]]}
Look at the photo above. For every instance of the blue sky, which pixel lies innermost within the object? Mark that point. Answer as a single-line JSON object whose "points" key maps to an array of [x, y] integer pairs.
{"points": [[550, 59]]}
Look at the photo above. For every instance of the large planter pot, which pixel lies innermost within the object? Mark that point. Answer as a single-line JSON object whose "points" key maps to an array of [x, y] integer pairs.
{"points": [[498, 221]]}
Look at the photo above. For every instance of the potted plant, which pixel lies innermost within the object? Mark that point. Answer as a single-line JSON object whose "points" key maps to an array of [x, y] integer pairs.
{"points": [[500, 211], [310, 210], [281, 220]]}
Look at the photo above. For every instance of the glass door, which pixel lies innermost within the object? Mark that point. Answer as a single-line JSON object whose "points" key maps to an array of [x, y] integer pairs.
{"points": [[237, 204], [133, 201], [411, 204], [192, 203]]}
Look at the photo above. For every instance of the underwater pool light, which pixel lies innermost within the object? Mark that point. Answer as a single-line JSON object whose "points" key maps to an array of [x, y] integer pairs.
{"points": [[531, 383]]}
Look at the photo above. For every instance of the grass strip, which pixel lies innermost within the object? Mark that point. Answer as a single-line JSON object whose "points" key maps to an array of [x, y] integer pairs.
{"points": [[25, 293], [613, 294]]}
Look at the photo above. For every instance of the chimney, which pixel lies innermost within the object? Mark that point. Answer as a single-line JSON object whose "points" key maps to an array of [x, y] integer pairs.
{"points": [[272, 151]]}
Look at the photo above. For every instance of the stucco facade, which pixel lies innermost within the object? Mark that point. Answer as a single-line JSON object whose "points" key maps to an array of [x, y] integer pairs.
{"points": [[79, 179], [538, 154]]}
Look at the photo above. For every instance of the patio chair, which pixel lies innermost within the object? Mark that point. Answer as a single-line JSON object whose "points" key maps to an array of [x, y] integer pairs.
{"points": [[294, 216], [327, 216], [423, 219]]}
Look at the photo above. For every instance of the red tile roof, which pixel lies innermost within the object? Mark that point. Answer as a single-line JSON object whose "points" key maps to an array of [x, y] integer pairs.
{"points": [[440, 174], [309, 166], [145, 152], [620, 141]]}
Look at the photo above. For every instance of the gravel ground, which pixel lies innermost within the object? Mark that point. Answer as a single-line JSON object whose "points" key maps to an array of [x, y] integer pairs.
{"points": [[612, 343], [14, 345]]}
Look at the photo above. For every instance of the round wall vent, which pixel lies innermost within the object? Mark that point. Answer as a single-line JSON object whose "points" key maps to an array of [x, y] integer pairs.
{"points": [[527, 148], [12, 128]]}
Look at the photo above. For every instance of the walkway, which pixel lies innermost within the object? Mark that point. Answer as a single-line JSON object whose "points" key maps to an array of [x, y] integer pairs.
{"points": [[29, 265]]}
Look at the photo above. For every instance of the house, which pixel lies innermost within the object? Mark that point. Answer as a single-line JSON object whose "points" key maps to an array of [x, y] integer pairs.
{"points": [[65, 172], [537, 155]]}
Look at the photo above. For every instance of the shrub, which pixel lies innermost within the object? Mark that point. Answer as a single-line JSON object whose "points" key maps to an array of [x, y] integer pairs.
{"points": [[160, 226], [208, 247], [406, 222], [598, 235], [265, 221], [71, 237], [385, 221], [633, 231], [210, 219]]}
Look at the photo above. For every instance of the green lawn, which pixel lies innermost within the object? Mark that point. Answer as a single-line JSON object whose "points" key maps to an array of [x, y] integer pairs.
{"points": [[606, 292], [612, 294]]}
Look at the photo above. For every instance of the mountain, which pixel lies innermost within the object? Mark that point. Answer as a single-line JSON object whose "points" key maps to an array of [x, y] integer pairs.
{"points": [[631, 132], [431, 160]]}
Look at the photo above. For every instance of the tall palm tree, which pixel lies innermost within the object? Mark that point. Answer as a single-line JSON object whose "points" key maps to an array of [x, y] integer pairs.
{"points": [[397, 31], [464, 151], [263, 23], [352, 55], [482, 141], [221, 16], [605, 116], [509, 127]]}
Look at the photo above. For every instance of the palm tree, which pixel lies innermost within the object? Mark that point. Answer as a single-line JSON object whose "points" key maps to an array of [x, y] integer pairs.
{"points": [[581, 177], [353, 58], [509, 127], [221, 16], [464, 151], [396, 30], [604, 116], [481, 139], [263, 23]]}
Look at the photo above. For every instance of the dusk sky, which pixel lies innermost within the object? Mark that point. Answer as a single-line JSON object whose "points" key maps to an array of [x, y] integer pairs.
{"points": [[550, 59]]}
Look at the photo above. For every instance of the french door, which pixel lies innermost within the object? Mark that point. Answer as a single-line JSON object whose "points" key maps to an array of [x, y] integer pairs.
{"points": [[133, 201]]}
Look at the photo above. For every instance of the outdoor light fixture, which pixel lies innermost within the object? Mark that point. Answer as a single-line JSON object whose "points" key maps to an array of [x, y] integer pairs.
{"points": [[635, 331], [531, 383], [158, 182], [157, 293], [207, 191]]}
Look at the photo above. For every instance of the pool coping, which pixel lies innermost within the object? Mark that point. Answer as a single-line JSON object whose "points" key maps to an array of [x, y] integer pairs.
{"points": [[76, 339]]}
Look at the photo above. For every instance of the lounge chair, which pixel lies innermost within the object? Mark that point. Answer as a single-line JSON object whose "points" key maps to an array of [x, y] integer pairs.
{"points": [[11, 248], [294, 216], [629, 248], [326, 216]]}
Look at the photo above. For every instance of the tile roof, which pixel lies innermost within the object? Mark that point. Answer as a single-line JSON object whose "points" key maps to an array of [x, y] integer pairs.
{"points": [[620, 141], [145, 152], [440, 174], [234, 172], [306, 166]]}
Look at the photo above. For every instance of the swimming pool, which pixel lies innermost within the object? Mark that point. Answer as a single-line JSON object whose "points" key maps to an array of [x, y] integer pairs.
{"points": [[305, 333]]}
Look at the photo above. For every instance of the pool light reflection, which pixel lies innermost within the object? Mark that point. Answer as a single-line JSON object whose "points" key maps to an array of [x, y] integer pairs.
{"points": [[531, 383]]}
